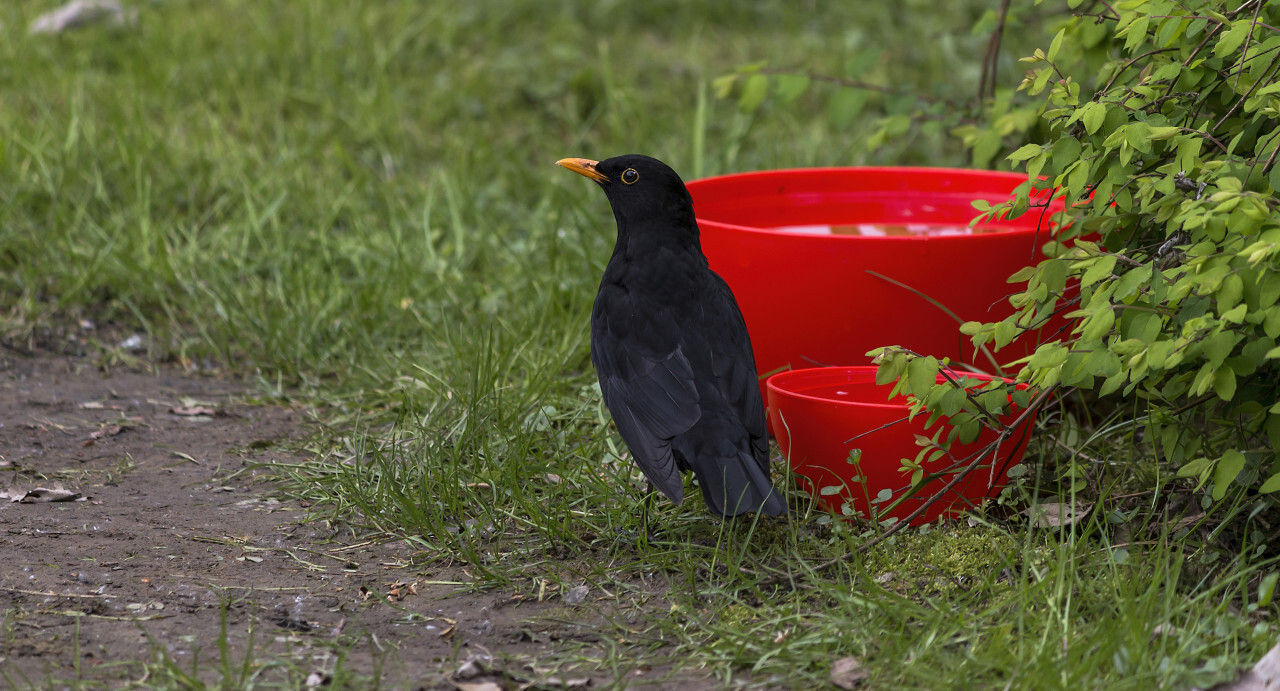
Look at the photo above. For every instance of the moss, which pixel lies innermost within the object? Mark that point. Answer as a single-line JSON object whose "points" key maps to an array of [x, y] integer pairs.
{"points": [[944, 560]]}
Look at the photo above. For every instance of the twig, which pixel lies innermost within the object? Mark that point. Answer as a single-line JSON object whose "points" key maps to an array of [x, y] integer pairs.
{"points": [[1247, 39], [991, 61], [1035, 406], [1240, 101], [50, 593], [990, 448], [1270, 161], [1129, 63]]}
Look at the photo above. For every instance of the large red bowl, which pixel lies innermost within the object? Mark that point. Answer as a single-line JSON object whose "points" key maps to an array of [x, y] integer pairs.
{"points": [[822, 415], [812, 295]]}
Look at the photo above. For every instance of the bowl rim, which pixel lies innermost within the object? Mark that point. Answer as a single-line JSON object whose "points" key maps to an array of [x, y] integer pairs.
{"points": [[764, 175]]}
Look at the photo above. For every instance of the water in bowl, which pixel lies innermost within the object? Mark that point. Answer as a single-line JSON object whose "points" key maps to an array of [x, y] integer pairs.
{"points": [[888, 229], [857, 392]]}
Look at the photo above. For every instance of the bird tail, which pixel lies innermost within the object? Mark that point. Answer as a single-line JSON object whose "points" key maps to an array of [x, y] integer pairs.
{"points": [[736, 484]]}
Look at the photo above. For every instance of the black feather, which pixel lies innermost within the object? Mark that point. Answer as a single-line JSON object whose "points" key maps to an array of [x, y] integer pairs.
{"points": [[671, 348]]}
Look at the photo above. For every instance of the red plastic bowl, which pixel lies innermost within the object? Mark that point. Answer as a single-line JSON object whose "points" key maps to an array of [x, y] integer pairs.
{"points": [[815, 299], [820, 415]]}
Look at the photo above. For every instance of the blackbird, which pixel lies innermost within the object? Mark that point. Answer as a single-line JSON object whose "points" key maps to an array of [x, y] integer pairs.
{"points": [[671, 348]]}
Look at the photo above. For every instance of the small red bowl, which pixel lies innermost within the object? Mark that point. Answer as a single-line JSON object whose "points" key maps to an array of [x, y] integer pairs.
{"points": [[820, 416], [816, 290]]}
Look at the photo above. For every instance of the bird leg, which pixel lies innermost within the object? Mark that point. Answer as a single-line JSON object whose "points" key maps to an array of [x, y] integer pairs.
{"points": [[646, 533]]}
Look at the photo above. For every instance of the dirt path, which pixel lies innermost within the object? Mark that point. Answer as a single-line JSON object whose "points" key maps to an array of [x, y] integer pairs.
{"points": [[175, 528]]}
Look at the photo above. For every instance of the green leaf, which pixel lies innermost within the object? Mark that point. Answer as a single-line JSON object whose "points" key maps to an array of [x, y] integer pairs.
{"points": [[754, 91], [952, 401], [1129, 282], [1022, 275], [1048, 355], [1267, 588], [1224, 383], [1138, 135], [1232, 38], [723, 85], [1272, 484], [1229, 292], [1144, 327], [1136, 33], [985, 147], [1099, 270], [1035, 165], [1099, 323], [1217, 346], [1065, 150], [1093, 115], [1055, 45], [844, 105], [1170, 29], [1229, 466], [1188, 153], [1053, 274], [1025, 152], [1271, 323], [789, 87], [1004, 333], [922, 374], [993, 401], [1203, 380], [1195, 468]]}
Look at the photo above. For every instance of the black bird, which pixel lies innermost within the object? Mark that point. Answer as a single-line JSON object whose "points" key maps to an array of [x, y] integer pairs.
{"points": [[671, 349]]}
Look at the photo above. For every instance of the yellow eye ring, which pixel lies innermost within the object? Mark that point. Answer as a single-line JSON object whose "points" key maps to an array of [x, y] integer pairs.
{"points": [[630, 176]]}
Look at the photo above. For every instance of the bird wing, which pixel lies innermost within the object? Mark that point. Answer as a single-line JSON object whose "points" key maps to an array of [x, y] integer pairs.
{"points": [[735, 369], [653, 399]]}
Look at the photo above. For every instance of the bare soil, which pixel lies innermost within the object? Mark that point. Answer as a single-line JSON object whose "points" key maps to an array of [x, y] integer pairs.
{"points": [[176, 544]]}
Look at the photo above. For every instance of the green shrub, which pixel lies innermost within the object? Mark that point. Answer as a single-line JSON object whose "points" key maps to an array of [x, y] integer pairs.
{"points": [[1164, 151], [1156, 122]]}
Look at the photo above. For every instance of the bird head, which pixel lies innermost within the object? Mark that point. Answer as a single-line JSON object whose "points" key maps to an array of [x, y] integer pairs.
{"points": [[641, 190]]}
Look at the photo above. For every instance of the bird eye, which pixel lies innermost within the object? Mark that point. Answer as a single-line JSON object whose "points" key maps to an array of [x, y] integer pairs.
{"points": [[630, 176]]}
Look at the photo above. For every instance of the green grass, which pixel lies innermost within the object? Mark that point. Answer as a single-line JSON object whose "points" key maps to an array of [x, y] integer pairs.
{"points": [[353, 204]]}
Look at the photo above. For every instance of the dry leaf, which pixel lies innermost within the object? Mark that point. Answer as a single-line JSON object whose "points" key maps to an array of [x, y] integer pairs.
{"points": [[80, 13], [847, 673], [41, 495], [1186, 521], [557, 683], [402, 589], [1056, 514], [133, 343], [193, 410], [576, 595], [477, 674], [479, 685], [107, 431]]}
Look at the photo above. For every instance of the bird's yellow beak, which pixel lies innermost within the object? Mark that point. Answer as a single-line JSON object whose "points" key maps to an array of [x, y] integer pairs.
{"points": [[583, 166]]}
